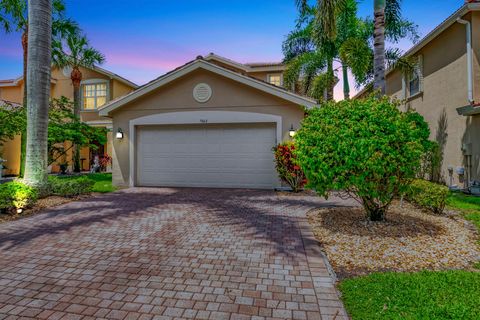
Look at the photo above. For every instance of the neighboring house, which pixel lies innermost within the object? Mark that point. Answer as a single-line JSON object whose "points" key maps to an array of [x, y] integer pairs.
{"points": [[447, 77], [209, 123], [98, 87]]}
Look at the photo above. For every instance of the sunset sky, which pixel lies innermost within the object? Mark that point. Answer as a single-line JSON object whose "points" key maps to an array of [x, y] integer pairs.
{"points": [[145, 38]]}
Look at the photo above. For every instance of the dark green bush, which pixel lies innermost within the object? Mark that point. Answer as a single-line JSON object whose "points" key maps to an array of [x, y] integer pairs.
{"points": [[427, 195], [70, 187], [367, 148], [16, 195]]}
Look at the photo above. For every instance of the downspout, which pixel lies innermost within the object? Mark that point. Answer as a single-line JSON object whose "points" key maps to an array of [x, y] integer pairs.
{"points": [[468, 27]]}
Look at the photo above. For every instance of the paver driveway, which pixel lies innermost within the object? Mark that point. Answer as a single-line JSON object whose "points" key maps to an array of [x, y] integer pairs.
{"points": [[147, 253]]}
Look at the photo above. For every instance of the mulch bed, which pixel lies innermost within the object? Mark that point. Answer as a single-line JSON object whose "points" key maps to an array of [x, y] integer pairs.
{"points": [[41, 205], [410, 240]]}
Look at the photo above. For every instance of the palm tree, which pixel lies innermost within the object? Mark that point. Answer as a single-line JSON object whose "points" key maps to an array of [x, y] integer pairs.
{"points": [[379, 84], [311, 50], [38, 89], [79, 54], [351, 36], [14, 17]]}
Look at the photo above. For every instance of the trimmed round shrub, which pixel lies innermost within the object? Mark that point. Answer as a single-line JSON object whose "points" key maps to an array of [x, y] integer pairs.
{"points": [[69, 187], [367, 148], [287, 166], [428, 195], [16, 195]]}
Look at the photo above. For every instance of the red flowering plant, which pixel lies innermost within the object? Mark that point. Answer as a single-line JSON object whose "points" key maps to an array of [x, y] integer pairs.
{"points": [[105, 160], [288, 169]]}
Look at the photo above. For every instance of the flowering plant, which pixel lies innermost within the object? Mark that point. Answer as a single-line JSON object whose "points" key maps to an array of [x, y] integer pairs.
{"points": [[105, 160], [288, 169]]}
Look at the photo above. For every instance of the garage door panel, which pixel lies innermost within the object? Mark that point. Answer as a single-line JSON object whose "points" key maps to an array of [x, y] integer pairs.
{"points": [[227, 155]]}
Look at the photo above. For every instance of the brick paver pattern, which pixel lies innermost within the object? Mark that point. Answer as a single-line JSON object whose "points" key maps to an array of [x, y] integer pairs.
{"points": [[165, 253]]}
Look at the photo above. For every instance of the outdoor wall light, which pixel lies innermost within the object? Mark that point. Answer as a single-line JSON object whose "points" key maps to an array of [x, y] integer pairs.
{"points": [[119, 134], [292, 132]]}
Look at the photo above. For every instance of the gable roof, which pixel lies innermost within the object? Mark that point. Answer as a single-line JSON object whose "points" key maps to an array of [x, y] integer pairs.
{"points": [[16, 82], [200, 63], [471, 5], [247, 67], [111, 75]]}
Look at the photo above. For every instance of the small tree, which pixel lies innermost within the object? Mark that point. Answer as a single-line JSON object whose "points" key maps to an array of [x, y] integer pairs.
{"points": [[64, 126], [367, 148], [287, 167], [13, 120]]}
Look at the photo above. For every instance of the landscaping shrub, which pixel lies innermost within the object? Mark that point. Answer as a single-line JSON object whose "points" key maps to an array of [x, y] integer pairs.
{"points": [[367, 147], [427, 195], [287, 167], [70, 187], [16, 195]]}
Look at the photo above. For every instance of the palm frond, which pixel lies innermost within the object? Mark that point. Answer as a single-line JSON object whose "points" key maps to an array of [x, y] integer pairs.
{"points": [[303, 69], [13, 15], [358, 56], [396, 60], [64, 27], [298, 42]]}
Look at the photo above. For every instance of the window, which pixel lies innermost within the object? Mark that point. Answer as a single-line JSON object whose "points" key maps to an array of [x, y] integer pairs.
{"points": [[94, 95], [414, 83], [275, 79]]}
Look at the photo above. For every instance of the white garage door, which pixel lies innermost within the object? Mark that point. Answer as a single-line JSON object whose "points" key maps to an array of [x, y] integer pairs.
{"points": [[227, 156]]}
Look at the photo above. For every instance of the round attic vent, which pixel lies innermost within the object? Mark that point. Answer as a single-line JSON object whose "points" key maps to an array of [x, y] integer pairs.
{"points": [[202, 92]]}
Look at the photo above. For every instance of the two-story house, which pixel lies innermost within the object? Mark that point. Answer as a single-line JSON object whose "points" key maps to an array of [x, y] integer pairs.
{"points": [[445, 89], [100, 87], [97, 88]]}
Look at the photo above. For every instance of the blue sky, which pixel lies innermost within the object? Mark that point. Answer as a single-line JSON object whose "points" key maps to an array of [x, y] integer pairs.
{"points": [[145, 38]]}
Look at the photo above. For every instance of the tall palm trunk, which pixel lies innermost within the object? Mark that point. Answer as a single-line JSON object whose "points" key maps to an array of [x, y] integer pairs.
{"points": [[76, 77], [23, 137], [38, 89], [331, 79], [346, 84], [379, 84]]}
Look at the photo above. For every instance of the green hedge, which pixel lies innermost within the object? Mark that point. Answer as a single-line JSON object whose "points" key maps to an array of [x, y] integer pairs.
{"points": [[69, 187], [16, 195], [427, 195]]}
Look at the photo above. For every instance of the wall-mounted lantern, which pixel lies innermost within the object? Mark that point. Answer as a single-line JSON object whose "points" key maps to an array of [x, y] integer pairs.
{"points": [[119, 134], [292, 132]]}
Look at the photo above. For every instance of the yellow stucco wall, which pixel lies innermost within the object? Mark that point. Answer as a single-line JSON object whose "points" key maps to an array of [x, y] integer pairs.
{"points": [[228, 95], [61, 86], [10, 151]]}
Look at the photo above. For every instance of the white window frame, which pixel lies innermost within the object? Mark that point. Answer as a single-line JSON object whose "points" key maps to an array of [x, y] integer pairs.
{"points": [[418, 69], [275, 74], [90, 82]]}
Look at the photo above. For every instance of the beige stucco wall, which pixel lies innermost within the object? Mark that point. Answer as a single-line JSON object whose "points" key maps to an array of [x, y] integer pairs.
{"points": [[445, 87], [228, 95]]}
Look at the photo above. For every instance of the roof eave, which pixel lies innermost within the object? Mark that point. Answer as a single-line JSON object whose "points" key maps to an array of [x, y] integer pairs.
{"points": [[189, 67], [466, 8]]}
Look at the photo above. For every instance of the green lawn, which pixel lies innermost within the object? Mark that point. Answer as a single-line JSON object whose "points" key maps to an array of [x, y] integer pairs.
{"points": [[468, 205], [423, 295], [103, 181]]}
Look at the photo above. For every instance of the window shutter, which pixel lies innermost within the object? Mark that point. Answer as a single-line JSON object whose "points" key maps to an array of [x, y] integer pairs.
{"points": [[404, 86], [420, 72]]}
